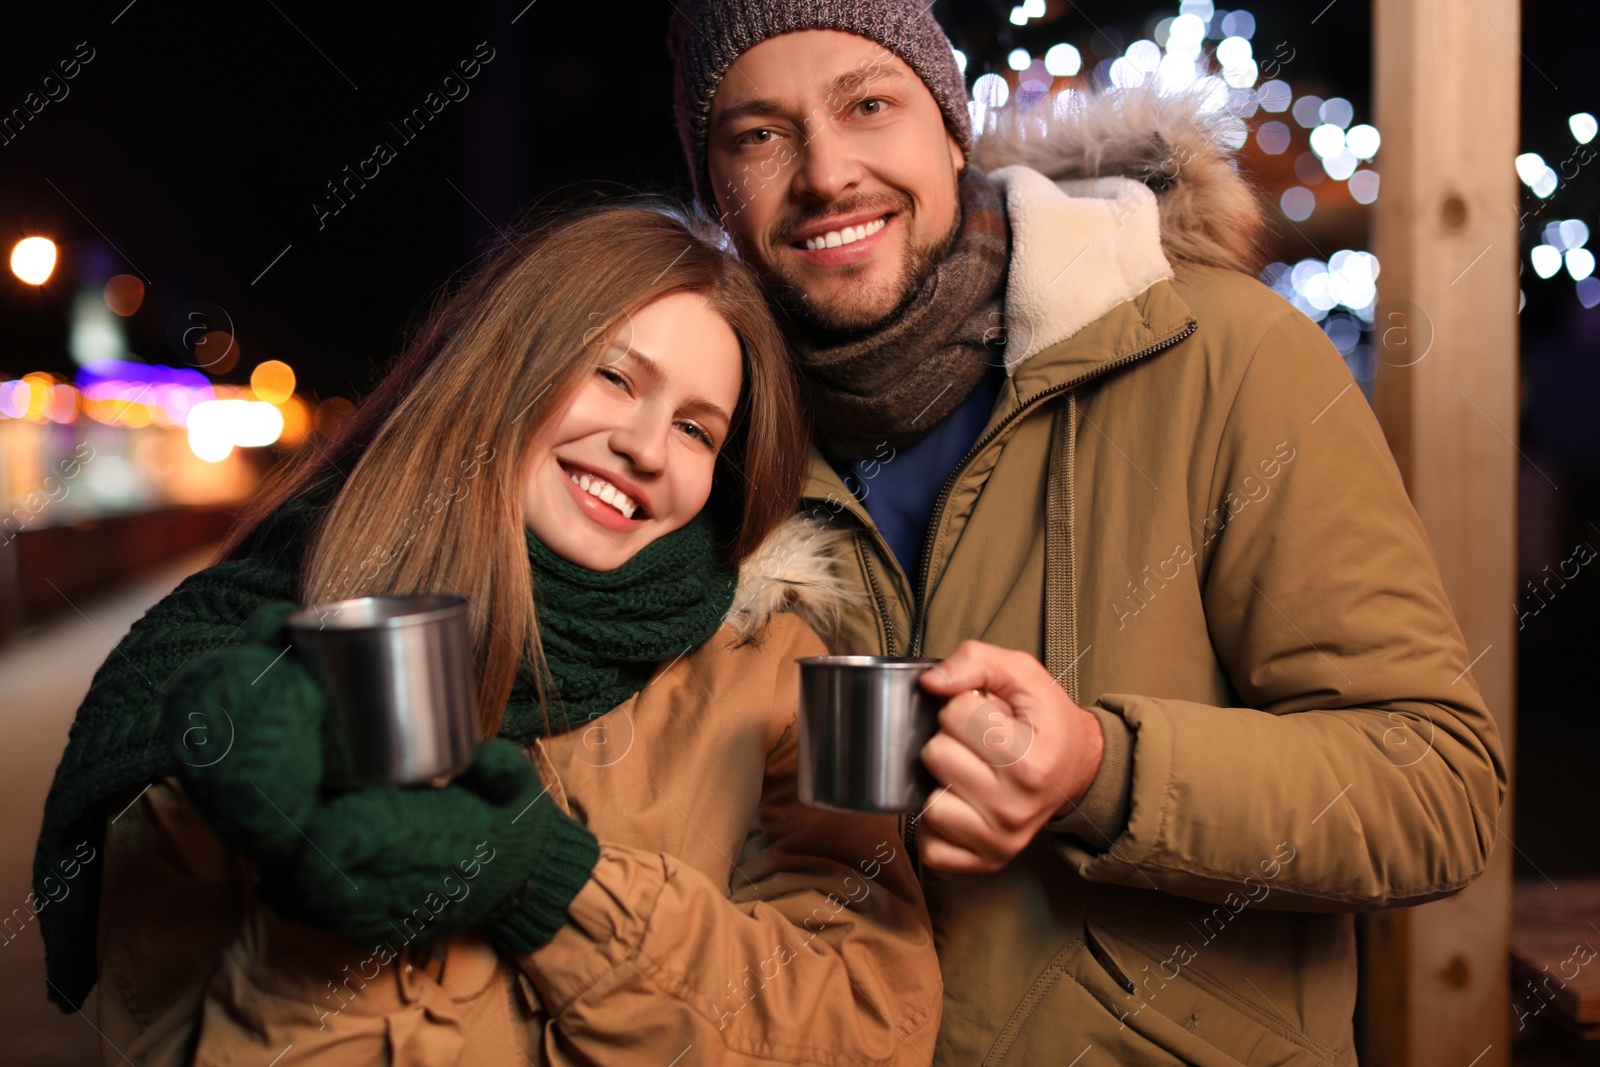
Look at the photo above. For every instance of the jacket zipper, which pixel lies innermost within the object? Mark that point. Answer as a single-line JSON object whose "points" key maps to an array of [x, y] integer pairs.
{"points": [[889, 641], [908, 829], [919, 621]]}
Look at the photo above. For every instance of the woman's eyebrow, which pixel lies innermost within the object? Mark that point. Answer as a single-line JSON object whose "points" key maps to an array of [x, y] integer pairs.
{"points": [[695, 403]]}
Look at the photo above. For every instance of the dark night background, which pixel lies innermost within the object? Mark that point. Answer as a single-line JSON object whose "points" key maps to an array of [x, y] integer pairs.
{"points": [[199, 137], [192, 147]]}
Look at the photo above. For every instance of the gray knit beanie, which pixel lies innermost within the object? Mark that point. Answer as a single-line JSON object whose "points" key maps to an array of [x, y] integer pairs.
{"points": [[707, 36]]}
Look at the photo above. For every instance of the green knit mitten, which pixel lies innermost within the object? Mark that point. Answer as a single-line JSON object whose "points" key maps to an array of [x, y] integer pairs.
{"points": [[488, 851], [244, 725]]}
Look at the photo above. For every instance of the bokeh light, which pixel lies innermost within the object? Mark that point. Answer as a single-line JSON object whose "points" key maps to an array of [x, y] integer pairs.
{"points": [[991, 91], [1234, 51], [1275, 96], [273, 381], [1341, 166], [1363, 141], [216, 427], [14, 399], [1239, 24], [61, 403], [216, 352], [1298, 203], [34, 259], [1364, 186], [1273, 137], [1063, 61], [1327, 140], [1546, 260], [297, 421], [39, 385], [1186, 34], [1529, 166], [1308, 111], [1308, 168], [1589, 292], [1336, 111], [123, 294], [1536, 174]]}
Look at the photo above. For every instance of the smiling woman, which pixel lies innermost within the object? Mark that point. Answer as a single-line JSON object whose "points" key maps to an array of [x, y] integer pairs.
{"points": [[630, 561]]}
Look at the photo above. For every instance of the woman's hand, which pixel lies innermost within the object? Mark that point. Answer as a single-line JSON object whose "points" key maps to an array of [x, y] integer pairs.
{"points": [[490, 849], [245, 728], [415, 861]]}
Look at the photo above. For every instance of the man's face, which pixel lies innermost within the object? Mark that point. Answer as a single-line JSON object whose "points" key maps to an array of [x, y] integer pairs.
{"points": [[831, 163]]}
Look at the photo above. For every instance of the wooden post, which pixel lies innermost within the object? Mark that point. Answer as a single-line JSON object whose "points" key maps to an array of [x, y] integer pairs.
{"points": [[1447, 81]]}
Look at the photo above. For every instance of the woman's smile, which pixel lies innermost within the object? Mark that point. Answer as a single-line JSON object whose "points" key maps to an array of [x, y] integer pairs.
{"points": [[602, 500]]}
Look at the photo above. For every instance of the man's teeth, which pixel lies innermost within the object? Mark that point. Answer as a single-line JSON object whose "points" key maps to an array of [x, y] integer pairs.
{"points": [[848, 235], [610, 494]]}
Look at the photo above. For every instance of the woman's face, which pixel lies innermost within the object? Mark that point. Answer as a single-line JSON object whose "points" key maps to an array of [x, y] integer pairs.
{"points": [[631, 458]]}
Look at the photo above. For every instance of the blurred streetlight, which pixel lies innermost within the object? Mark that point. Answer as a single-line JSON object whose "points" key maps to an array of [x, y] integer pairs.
{"points": [[34, 259], [273, 381]]}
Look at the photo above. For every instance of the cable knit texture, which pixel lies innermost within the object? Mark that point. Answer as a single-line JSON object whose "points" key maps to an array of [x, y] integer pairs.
{"points": [[118, 741], [605, 632], [246, 725]]}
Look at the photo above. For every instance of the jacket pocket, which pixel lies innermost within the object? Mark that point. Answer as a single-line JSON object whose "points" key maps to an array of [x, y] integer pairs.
{"points": [[1169, 1001], [1067, 1018]]}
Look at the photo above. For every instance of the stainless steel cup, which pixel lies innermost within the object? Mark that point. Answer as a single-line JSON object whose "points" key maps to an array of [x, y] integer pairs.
{"points": [[398, 672], [863, 722]]}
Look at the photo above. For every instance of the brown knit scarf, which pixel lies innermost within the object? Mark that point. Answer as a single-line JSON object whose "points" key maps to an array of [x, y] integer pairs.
{"points": [[896, 383]]}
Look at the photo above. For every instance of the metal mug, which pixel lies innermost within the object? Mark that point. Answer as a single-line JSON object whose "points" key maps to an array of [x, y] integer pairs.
{"points": [[863, 722], [398, 673]]}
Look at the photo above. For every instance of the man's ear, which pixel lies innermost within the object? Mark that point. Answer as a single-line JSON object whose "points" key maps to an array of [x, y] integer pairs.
{"points": [[958, 158]]}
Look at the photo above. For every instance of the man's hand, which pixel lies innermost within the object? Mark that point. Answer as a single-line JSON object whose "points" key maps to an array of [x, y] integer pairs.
{"points": [[1013, 752]]}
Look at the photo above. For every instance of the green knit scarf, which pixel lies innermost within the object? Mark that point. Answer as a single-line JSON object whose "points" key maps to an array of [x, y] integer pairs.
{"points": [[603, 635], [605, 632]]}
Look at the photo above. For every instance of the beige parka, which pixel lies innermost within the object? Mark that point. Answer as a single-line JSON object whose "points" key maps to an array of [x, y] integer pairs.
{"points": [[1180, 465], [725, 923]]}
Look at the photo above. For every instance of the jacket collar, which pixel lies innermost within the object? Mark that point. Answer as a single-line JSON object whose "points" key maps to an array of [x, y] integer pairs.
{"points": [[1078, 249], [1089, 284]]}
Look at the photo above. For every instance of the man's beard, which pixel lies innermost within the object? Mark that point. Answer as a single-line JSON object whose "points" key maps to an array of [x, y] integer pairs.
{"points": [[849, 312]]}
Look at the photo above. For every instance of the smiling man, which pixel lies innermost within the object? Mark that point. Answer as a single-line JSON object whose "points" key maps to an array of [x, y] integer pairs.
{"points": [[1207, 696]]}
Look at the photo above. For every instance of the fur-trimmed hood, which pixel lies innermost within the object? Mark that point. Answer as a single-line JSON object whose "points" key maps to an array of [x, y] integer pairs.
{"points": [[796, 569], [1081, 172]]}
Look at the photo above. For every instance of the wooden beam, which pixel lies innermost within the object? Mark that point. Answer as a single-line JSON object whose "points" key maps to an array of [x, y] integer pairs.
{"points": [[1447, 84]]}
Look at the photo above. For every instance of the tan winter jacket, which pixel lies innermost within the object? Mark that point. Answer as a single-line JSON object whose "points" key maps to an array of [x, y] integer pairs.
{"points": [[1243, 596], [724, 924]]}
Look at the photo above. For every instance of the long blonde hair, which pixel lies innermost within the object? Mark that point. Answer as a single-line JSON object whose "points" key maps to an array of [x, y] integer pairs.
{"points": [[431, 464]]}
